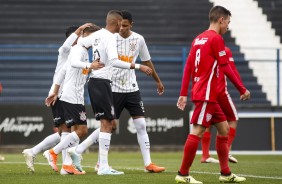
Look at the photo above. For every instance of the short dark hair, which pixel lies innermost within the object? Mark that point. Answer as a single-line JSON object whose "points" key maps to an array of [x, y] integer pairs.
{"points": [[115, 12], [91, 28], [126, 15], [70, 30], [217, 12]]}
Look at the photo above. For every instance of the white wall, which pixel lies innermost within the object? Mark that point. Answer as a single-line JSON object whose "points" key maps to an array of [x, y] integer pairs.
{"points": [[257, 41]]}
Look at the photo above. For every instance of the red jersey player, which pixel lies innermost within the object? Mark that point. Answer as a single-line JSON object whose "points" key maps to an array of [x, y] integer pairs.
{"points": [[225, 102], [207, 55]]}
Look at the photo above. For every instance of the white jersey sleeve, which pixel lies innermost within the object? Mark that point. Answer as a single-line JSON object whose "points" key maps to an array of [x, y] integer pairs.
{"points": [[143, 50], [59, 78], [75, 60]]}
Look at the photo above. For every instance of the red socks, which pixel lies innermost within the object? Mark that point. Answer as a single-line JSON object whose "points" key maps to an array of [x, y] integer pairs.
{"points": [[222, 153], [231, 136], [190, 149], [206, 141]]}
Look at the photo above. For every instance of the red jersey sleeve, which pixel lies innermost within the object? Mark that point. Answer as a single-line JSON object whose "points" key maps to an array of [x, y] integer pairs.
{"points": [[219, 50], [186, 76], [232, 63]]}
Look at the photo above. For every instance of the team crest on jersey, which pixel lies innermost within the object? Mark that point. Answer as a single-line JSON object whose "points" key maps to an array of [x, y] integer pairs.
{"points": [[82, 116], [132, 47], [97, 41], [208, 117]]}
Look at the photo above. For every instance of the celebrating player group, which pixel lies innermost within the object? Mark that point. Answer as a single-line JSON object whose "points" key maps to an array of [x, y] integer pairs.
{"points": [[112, 86]]}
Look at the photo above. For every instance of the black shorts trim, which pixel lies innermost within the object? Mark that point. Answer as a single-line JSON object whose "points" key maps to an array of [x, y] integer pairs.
{"points": [[58, 113], [101, 98], [131, 101], [74, 114]]}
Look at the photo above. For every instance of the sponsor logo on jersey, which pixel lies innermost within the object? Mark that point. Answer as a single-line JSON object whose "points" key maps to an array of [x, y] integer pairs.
{"points": [[222, 53], [200, 41], [96, 41]]}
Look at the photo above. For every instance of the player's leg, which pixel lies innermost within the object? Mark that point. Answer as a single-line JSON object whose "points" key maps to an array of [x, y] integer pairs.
{"points": [[101, 99], [206, 141], [222, 147], [49, 141], [201, 119], [74, 115], [229, 109], [134, 105]]}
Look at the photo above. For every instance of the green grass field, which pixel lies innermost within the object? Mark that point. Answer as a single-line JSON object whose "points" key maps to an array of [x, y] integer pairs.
{"points": [[256, 168]]}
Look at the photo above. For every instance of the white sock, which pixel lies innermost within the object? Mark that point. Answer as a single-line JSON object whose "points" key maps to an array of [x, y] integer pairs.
{"points": [[68, 141], [47, 143], [68, 160], [104, 146], [63, 136], [91, 139], [143, 139]]}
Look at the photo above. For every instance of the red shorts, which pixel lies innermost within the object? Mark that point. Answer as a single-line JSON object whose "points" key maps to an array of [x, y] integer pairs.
{"points": [[228, 107], [206, 113]]}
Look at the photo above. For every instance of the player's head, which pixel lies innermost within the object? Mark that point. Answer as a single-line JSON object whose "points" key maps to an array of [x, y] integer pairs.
{"points": [[87, 31], [126, 24], [70, 30], [114, 18], [220, 16]]}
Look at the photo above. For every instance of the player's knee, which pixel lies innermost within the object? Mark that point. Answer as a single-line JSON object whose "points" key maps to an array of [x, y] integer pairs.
{"points": [[140, 125]]}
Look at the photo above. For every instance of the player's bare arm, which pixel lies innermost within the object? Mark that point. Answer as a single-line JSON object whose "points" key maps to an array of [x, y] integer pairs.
{"points": [[81, 28], [145, 69], [52, 98], [182, 102], [160, 86]]}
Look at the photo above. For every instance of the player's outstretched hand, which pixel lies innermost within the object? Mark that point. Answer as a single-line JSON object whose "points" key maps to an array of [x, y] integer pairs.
{"points": [[51, 100], [181, 103], [160, 88], [146, 69], [246, 95], [96, 65]]}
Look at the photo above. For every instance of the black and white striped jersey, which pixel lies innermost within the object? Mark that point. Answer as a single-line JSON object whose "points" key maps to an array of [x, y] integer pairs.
{"points": [[124, 80]]}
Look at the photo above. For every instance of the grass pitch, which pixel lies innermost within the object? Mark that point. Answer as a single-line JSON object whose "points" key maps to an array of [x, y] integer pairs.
{"points": [[256, 168]]}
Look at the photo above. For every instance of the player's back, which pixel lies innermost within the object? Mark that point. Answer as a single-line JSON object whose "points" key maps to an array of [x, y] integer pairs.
{"points": [[203, 53]]}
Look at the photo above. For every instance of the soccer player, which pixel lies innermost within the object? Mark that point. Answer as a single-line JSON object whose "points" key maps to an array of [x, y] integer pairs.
{"points": [[126, 92], [72, 33], [228, 107], [74, 74], [104, 46], [207, 56]]}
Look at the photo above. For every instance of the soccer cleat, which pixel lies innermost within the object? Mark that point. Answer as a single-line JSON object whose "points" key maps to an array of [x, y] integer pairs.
{"points": [[231, 179], [109, 171], [210, 160], [232, 159], [2, 158], [29, 159], [153, 168], [70, 169], [96, 168], [76, 158], [51, 157], [186, 179]]}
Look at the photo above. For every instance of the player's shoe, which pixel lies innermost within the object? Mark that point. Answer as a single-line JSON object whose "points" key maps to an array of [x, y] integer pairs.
{"points": [[70, 169], [2, 158], [96, 168], [186, 179], [51, 157], [232, 159], [153, 168], [29, 159], [231, 179], [210, 160], [109, 171], [76, 158]]}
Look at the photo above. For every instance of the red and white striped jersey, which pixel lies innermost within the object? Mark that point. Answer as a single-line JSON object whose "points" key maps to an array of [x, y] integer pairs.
{"points": [[128, 49], [206, 53]]}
